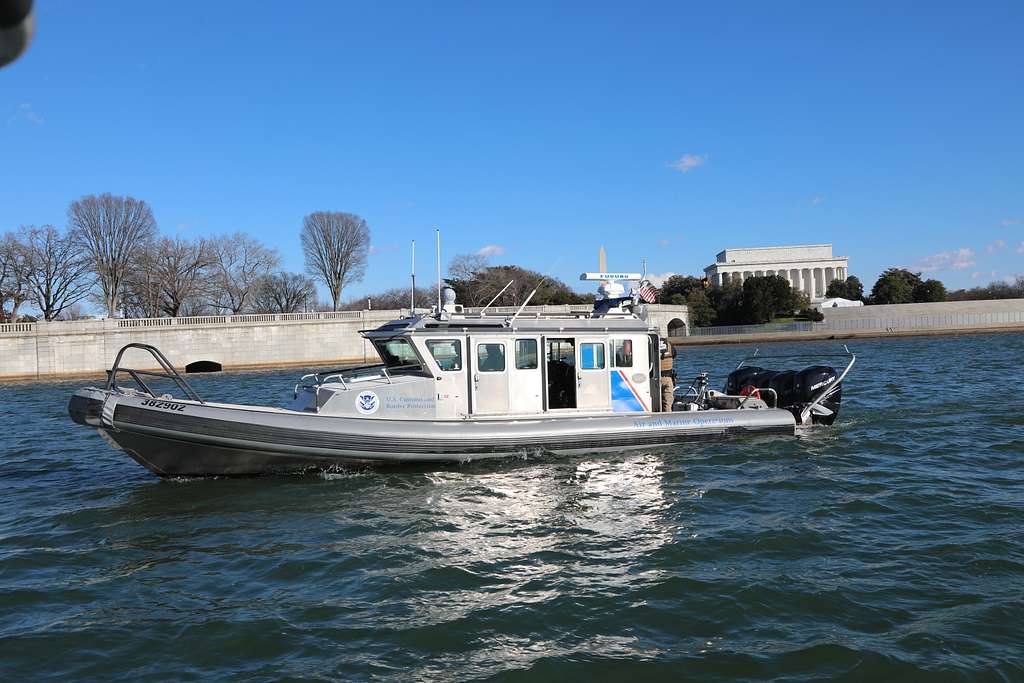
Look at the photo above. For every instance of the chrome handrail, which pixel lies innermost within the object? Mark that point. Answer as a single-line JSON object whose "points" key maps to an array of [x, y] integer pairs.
{"points": [[168, 372]]}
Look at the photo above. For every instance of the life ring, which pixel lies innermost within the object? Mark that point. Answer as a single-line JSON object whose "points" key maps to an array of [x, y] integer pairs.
{"points": [[750, 390]]}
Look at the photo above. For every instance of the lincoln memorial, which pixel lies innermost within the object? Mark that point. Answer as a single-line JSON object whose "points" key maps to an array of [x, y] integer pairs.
{"points": [[809, 268]]}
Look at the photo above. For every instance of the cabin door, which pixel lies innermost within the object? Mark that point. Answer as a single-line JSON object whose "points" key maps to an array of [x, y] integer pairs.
{"points": [[592, 392], [560, 372], [526, 384], [489, 382]]}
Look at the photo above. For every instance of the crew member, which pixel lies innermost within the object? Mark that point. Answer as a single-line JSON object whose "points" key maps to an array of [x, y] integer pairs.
{"points": [[668, 376]]}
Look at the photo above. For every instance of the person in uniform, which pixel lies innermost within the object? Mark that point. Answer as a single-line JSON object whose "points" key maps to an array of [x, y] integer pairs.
{"points": [[668, 376]]}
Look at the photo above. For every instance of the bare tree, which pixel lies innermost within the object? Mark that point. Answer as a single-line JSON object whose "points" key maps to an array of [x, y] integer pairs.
{"points": [[284, 293], [140, 291], [111, 230], [56, 271], [181, 266], [168, 278], [237, 264], [13, 282], [467, 268], [336, 245]]}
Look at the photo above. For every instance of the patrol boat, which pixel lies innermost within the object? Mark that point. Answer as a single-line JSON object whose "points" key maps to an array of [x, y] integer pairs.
{"points": [[455, 386]]}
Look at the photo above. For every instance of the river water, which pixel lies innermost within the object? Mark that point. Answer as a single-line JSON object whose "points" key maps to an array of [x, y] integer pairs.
{"points": [[888, 547]]}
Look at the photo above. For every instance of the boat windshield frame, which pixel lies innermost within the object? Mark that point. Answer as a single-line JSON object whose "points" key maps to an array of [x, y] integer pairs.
{"points": [[400, 366]]}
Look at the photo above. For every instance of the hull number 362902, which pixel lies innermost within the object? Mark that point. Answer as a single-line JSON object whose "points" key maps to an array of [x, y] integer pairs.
{"points": [[166, 405]]}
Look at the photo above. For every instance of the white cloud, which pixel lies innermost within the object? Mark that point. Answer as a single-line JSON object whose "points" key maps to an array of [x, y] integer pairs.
{"points": [[489, 250], [688, 162], [25, 112], [947, 260], [815, 200], [975, 275], [995, 246], [659, 280], [1020, 248], [1006, 222], [664, 243]]}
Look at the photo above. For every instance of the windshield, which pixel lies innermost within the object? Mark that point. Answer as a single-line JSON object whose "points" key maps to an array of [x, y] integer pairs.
{"points": [[398, 354]]}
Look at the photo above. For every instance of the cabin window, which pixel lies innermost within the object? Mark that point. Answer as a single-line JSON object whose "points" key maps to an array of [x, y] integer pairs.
{"points": [[526, 354], [562, 351], [592, 356], [447, 353], [490, 357], [622, 353]]}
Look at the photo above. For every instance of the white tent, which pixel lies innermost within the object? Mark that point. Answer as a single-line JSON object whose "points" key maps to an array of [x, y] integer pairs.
{"points": [[837, 302]]}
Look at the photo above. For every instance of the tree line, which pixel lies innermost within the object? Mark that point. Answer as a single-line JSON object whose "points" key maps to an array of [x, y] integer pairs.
{"points": [[761, 299], [111, 255], [476, 282]]}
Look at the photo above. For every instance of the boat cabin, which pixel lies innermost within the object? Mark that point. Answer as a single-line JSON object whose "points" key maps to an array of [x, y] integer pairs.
{"points": [[459, 366]]}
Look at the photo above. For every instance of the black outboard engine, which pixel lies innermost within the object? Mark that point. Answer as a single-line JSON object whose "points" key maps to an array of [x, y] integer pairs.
{"points": [[794, 389], [784, 385], [743, 377], [814, 381]]}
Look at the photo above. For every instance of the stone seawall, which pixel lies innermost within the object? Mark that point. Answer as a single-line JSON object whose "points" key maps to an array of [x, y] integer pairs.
{"points": [[954, 317], [88, 347]]}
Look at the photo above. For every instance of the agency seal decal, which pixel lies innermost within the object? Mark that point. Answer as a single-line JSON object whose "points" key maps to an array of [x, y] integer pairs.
{"points": [[367, 402]]}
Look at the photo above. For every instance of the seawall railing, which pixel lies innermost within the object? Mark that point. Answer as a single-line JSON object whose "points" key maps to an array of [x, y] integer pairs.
{"points": [[264, 318], [197, 321]]}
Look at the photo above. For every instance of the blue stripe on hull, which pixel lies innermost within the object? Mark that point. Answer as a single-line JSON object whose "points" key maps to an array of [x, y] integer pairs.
{"points": [[624, 399]]}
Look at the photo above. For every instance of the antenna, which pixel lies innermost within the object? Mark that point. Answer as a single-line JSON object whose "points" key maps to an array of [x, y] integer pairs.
{"points": [[527, 300], [645, 269], [438, 231], [412, 290], [542, 281], [496, 297]]}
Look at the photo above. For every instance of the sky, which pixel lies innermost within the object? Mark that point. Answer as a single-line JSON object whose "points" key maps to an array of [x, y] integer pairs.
{"points": [[537, 132]]}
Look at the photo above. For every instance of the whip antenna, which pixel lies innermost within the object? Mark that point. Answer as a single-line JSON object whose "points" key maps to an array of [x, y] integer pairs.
{"points": [[496, 297], [412, 291], [438, 231], [542, 281]]}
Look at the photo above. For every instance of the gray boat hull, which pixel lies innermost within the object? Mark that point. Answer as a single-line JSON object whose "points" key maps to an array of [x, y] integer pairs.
{"points": [[187, 438]]}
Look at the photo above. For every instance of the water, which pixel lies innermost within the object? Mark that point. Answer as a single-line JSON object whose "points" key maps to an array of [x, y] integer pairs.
{"points": [[890, 547]]}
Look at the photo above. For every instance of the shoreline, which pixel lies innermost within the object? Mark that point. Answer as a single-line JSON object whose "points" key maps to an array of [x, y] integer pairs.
{"points": [[734, 339]]}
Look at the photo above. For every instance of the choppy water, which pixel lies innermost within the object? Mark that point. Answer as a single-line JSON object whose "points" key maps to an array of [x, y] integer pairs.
{"points": [[890, 547]]}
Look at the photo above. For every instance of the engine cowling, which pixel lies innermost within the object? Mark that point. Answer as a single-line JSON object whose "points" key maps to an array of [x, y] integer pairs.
{"points": [[795, 389]]}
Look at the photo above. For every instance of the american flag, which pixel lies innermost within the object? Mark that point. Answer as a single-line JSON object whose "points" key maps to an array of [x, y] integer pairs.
{"points": [[647, 292]]}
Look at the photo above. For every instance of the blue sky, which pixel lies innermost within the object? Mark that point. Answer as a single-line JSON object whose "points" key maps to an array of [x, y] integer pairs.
{"points": [[665, 131]]}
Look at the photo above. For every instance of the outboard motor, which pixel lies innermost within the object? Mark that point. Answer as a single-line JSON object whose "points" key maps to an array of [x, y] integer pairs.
{"points": [[795, 389], [740, 378], [784, 385], [814, 381]]}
